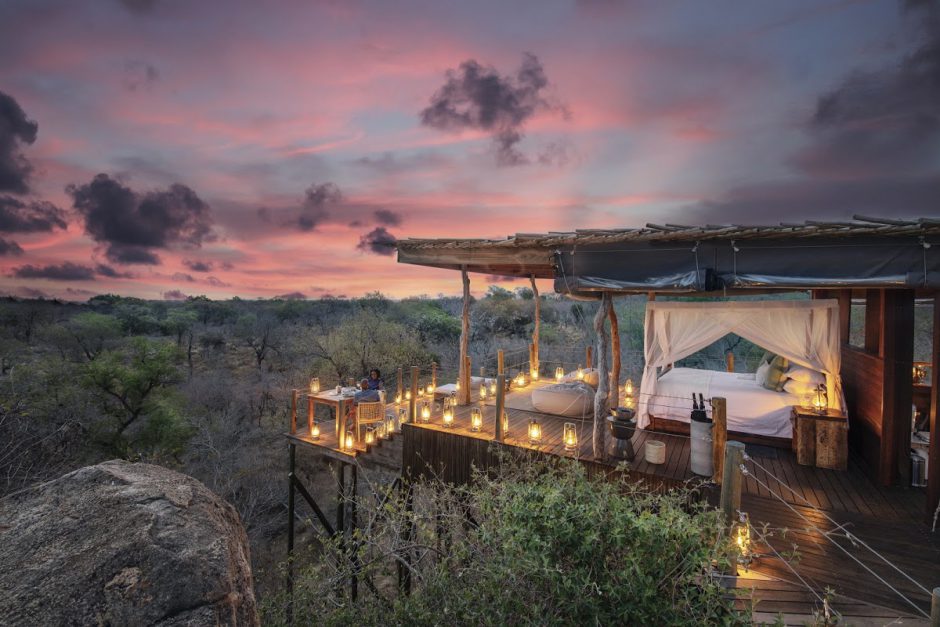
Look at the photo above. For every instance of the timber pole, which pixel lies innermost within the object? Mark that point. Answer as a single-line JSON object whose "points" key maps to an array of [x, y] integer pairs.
{"points": [[292, 451], [598, 440], [536, 360], [310, 416], [500, 406], [719, 436], [413, 403], [614, 397], [400, 390], [588, 356], [500, 362], [935, 608], [732, 479], [463, 373]]}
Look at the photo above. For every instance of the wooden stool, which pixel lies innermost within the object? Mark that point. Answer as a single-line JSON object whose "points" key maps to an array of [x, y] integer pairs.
{"points": [[821, 440]]}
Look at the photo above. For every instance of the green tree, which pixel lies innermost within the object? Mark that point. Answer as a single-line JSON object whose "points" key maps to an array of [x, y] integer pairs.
{"points": [[93, 332], [134, 392], [261, 333]]}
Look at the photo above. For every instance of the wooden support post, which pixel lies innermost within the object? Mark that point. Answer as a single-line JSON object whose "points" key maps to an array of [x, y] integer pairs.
{"points": [[935, 608], [588, 356], [598, 440], [434, 375], [614, 396], [500, 405], [500, 362], [729, 361], [413, 403], [933, 453], [719, 436], [293, 410], [533, 367], [732, 480], [536, 360], [400, 390], [292, 450], [310, 416], [463, 375], [897, 348], [351, 531], [465, 386]]}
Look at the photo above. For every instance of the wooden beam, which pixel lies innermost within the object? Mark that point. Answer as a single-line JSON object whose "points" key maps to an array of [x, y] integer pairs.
{"points": [[614, 396], [845, 315], [729, 361], [465, 391], [536, 364], [413, 403], [500, 362], [732, 480], [310, 416], [874, 314], [500, 406], [897, 341], [589, 353], [719, 436], [463, 374], [598, 441], [933, 454]]}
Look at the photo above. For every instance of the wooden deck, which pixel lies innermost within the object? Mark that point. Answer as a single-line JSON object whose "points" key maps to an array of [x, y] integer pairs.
{"points": [[887, 519]]}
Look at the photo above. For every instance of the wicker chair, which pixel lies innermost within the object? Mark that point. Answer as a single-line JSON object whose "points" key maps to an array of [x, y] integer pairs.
{"points": [[369, 413]]}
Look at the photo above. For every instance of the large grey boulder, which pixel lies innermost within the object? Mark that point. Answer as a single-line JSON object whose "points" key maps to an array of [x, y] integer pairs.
{"points": [[123, 544]]}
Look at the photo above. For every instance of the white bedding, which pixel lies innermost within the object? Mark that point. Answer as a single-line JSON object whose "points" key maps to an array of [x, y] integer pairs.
{"points": [[751, 408]]}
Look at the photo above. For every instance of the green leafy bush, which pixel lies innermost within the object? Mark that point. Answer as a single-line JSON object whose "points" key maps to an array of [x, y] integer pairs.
{"points": [[533, 545]]}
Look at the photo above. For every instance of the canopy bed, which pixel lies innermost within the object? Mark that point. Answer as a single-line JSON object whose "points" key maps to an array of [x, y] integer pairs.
{"points": [[803, 334]]}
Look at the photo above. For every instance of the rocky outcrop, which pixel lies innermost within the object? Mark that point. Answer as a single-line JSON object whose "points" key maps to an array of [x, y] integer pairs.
{"points": [[123, 544]]}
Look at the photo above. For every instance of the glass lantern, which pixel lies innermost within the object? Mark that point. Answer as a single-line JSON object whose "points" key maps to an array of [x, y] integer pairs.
{"points": [[482, 392], [370, 436], [315, 385], [570, 436], [348, 441], [447, 417], [315, 432], [426, 411], [535, 432], [476, 419], [402, 416], [820, 399], [580, 373], [559, 374]]}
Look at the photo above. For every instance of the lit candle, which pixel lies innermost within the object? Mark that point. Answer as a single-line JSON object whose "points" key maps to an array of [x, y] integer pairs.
{"points": [[315, 385], [476, 419], [580, 373], [535, 432], [370, 435], [820, 401], [483, 392], [402, 416], [743, 539], [349, 441], [315, 432], [559, 373], [426, 411], [448, 417], [570, 436], [430, 389], [534, 374], [390, 424], [493, 388], [398, 399], [458, 386], [408, 395], [628, 388], [520, 380]]}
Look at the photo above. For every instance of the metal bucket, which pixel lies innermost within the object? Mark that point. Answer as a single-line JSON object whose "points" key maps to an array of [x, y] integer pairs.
{"points": [[701, 455], [918, 471]]}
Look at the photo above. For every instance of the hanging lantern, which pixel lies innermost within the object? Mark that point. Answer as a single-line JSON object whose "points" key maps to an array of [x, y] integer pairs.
{"points": [[315, 432], [820, 399], [315, 385], [580, 373], [535, 431], [402, 416], [559, 374], [570, 436], [349, 442], [448, 417], [476, 419], [370, 436], [426, 411]]}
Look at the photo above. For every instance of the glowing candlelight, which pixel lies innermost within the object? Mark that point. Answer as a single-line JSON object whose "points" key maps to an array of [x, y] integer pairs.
{"points": [[408, 395], [476, 419], [370, 435], [559, 373], [534, 374], [458, 386], [315, 385], [743, 540], [448, 417], [315, 432], [349, 442], [483, 392], [402, 417], [628, 388], [570, 436], [430, 389], [820, 400], [398, 399], [390, 424], [520, 379], [535, 431], [580, 373], [493, 388], [426, 411]]}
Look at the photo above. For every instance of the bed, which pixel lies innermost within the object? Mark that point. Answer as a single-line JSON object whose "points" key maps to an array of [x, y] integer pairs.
{"points": [[752, 409]]}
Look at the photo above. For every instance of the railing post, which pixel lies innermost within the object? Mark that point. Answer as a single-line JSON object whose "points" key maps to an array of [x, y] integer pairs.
{"points": [[310, 416], [732, 479], [500, 362], [413, 403], [588, 356], [400, 390], [935, 608], [434, 375], [293, 411], [500, 405], [719, 436]]}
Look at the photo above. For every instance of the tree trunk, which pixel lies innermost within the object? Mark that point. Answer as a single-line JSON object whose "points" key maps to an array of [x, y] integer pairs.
{"points": [[538, 323], [614, 397], [599, 439], [463, 373]]}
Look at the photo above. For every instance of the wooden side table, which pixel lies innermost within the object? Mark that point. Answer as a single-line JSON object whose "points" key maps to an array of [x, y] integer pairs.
{"points": [[821, 440]]}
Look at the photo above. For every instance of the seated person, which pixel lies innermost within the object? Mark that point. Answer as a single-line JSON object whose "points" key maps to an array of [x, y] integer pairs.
{"points": [[366, 394], [375, 380]]}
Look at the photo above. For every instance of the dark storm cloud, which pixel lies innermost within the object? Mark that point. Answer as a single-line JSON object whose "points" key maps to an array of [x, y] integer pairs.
{"points": [[292, 296], [214, 282], [107, 271], [9, 247], [882, 121], [480, 98], [15, 130], [130, 225], [378, 241], [182, 276], [388, 218], [198, 266], [139, 74], [17, 216], [67, 271], [318, 200], [174, 295]]}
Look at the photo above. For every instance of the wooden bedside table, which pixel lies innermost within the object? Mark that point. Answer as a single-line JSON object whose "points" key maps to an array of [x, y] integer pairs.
{"points": [[820, 440]]}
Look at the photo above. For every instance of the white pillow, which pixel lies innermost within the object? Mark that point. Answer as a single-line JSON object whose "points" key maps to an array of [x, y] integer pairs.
{"points": [[806, 375], [760, 377], [799, 388]]}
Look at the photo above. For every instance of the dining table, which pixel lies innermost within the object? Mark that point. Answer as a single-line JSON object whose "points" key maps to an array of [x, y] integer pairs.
{"points": [[335, 400]]}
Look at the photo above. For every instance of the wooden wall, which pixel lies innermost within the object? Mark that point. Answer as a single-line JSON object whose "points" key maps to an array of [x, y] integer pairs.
{"points": [[877, 380]]}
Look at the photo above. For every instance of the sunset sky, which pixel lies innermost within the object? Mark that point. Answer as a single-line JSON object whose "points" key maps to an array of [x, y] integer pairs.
{"points": [[163, 148]]}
